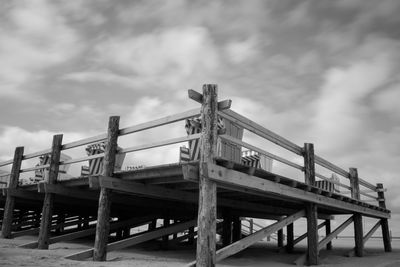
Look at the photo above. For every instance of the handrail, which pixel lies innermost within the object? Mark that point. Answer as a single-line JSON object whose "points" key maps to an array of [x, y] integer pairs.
{"points": [[260, 131], [160, 122], [39, 167], [85, 141], [330, 166], [5, 163], [285, 143], [161, 143], [270, 155]]}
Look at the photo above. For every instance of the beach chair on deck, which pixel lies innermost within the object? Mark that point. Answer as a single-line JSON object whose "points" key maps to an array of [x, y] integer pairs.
{"points": [[45, 160], [96, 165], [257, 160], [328, 185]]}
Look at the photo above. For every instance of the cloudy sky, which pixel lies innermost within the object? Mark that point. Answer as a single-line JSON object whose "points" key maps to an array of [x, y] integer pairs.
{"points": [[325, 72]]}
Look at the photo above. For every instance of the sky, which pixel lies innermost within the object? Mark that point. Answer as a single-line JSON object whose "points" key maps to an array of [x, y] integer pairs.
{"points": [[324, 72]]}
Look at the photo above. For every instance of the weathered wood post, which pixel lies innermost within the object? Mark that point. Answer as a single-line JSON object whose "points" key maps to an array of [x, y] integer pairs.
{"points": [[311, 208], [10, 200], [280, 238], [165, 239], [47, 210], [207, 213], [103, 213], [327, 232], [290, 237], [358, 226], [236, 229], [384, 222], [226, 228]]}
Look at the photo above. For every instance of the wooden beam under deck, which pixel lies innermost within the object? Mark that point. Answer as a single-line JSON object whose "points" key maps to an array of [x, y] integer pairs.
{"points": [[240, 181]]}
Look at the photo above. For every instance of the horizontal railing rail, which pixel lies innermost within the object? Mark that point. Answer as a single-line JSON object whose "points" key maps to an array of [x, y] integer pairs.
{"points": [[261, 131]]}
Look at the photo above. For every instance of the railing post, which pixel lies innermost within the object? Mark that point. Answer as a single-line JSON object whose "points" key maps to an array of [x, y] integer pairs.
{"points": [[103, 213], [358, 226], [384, 222], [312, 213], [10, 200], [47, 210], [207, 213]]}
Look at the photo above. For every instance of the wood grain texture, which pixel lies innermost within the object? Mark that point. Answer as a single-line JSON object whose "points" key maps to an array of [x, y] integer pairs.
{"points": [[48, 202], [309, 164], [207, 213], [312, 234], [10, 200], [103, 214]]}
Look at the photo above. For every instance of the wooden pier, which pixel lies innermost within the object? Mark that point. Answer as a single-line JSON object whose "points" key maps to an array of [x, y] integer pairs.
{"points": [[195, 199]]}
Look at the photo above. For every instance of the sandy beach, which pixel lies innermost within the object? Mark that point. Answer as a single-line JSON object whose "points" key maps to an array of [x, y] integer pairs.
{"points": [[150, 255]]}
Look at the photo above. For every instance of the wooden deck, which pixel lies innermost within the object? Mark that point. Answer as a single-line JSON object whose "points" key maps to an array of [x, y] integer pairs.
{"points": [[181, 196]]}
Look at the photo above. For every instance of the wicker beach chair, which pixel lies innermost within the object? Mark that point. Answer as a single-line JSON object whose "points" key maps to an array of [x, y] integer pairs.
{"points": [[96, 165]]}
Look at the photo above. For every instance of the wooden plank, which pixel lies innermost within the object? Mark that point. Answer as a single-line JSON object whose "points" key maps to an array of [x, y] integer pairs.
{"points": [[5, 163], [240, 181], [160, 143], [23, 194], [47, 210], [257, 236], [10, 200], [90, 231], [37, 154], [160, 122], [330, 166], [196, 96], [207, 212], [136, 239], [103, 214], [335, 233], [302, 260], [85, 141], [260, 130], [69, 192]]}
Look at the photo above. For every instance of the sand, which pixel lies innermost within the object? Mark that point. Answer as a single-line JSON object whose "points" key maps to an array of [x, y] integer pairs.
{"points": [[150, 255]]}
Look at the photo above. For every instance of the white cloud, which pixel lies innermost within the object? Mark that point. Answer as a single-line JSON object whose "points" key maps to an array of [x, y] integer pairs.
{"points": [[387, 101], [339, 109], [239, 51], [169, 55], [36, 37]]}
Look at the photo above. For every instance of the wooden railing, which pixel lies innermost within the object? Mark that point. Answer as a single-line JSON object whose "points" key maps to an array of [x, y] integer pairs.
{"points": [[227, 114], [280, 141], [102, 137]]}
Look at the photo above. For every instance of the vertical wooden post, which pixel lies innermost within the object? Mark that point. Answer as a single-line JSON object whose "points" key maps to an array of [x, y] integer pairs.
{"points": [[312, 234], [312, 216], [207, 213], [226, 229], [47, 210], [152, 225], [280, 238], [327, 232], [10, 200], [384, 222], [165, 238], [103, 212], [236, 229], [358, 226], [309, 164], [290, 237]]}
